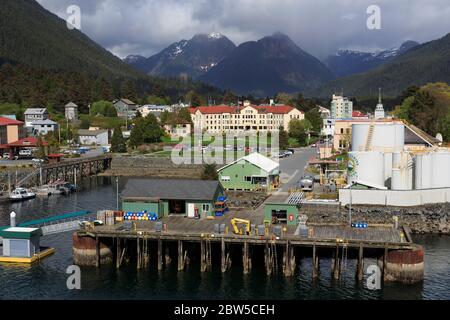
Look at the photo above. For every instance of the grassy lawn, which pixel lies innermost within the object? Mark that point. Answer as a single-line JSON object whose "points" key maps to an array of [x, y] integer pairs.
{"points": [[103, 122]]}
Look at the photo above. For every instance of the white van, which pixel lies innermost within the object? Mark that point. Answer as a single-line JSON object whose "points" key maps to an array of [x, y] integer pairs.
{"points": [[25, 153]]}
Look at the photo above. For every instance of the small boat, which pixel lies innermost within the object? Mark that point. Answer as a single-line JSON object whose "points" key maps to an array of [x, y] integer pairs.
{"points": [[21, 194], [48, 190]]}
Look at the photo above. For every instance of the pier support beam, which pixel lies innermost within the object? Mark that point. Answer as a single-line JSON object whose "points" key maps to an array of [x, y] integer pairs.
{"points": [[315, 263], [167, 258], [97, 252], [246, 258], [181, 256], [202, 256], [138, 255], [360, 266], [223, 260], [160, 249], [288, 261], [118, 253], [336, 264]]}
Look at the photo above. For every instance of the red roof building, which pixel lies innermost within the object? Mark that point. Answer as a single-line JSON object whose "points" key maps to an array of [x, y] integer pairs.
{"points": [[10, 130], [245, 118]]}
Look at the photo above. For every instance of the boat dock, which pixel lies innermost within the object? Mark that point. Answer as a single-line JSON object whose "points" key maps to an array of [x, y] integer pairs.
{"points": [[183, 239]]}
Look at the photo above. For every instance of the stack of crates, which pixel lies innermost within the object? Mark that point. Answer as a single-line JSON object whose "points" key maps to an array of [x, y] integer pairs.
{"points": [[221, 206]]}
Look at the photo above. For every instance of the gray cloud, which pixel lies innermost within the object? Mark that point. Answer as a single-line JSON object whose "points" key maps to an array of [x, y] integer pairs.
{"points": [[318, 26]]}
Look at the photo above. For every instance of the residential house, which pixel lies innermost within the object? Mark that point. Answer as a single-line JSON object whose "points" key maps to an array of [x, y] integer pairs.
{"points": [[10, 130], [324, 112], [251, 172], [179, 129], [43, 127], [125, 108], [71, 111], [35, 114], [166, 197], [147, 109], [93, 137], [245, 118]]}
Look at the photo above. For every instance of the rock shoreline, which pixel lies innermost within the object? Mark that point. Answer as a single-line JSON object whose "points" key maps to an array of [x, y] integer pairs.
{"points": [[433, 218]]}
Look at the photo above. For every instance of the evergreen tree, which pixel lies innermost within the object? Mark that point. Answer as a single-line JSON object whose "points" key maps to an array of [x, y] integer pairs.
{"points": [[118, 144], [284, 139], [209, 172]]}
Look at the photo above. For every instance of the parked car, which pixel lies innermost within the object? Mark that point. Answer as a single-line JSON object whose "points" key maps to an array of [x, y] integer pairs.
{"points": [[25, 153], [288, 153], [291, 150], [6, 155]]}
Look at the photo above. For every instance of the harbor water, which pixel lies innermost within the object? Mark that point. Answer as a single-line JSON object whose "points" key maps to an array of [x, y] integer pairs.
{"points": [[47, 279]]}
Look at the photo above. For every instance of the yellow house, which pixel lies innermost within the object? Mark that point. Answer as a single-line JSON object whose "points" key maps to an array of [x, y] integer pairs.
{"points": [[10, 130]]}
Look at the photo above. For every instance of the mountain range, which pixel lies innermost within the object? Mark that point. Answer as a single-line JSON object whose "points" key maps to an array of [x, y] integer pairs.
{"points": [[191, 58], [425, 63], [347, 62]]}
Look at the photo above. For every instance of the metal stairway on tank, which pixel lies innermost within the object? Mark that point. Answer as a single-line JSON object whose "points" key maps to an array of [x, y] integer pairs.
{"points": [[370, 137]]}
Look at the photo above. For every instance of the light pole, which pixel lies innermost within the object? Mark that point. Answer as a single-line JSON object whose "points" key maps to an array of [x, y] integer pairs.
{"points": [[350, 206], [117, 193]]}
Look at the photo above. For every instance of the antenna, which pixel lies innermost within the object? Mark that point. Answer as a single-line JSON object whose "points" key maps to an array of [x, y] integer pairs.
{"points": [[379, 95]]}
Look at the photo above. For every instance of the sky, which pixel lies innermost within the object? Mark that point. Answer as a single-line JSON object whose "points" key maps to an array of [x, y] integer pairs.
{"points": [[319, 27]]}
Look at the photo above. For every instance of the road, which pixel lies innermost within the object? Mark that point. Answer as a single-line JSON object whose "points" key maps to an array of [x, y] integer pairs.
{"points": [[293, 168]]}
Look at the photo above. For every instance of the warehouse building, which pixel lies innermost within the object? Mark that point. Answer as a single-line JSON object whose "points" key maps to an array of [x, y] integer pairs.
{"points": [[164, 197], [251, 172]]}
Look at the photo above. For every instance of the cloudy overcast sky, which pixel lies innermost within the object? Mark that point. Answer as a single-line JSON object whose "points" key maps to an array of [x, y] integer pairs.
{"points": [[318, 26]]}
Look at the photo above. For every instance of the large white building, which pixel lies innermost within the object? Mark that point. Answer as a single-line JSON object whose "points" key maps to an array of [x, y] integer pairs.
{"points": [[341, 107], [246, 118]]}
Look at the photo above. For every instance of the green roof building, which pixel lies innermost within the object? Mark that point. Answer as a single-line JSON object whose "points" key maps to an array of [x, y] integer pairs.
{"points": [[252, 172]]}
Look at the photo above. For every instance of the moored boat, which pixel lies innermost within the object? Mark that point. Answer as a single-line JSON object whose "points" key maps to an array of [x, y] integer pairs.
{"points": [[21, 194]]}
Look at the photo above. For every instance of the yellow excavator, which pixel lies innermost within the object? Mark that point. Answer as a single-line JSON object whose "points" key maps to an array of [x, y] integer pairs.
{"points": [[236, 221]]}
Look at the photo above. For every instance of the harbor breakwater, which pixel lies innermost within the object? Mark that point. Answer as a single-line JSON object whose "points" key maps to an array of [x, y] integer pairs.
{"points": [[433, 218]]}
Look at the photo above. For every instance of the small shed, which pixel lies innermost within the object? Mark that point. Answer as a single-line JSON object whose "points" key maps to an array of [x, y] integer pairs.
{"points": [[281, 213], [21, 242], [54, 158]]}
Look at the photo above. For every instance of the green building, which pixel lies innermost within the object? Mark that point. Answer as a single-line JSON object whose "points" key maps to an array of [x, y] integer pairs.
{"points": [[281, 213], [251, 172], [164, 197]]}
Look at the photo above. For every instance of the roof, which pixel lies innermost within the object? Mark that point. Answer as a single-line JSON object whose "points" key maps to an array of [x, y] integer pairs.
{"points": [[10, 116], [414, 135], [367, 184], [26, 142], [179, 189], [258, 160], [278, 109], [20, 233], [40, 122], [35, 111], [4, 121], [358, 114], [86, 132], [126, 101], [71, 104]]}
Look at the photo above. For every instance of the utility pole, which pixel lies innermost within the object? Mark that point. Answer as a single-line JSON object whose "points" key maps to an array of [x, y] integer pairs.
{"points": [[117, 193], [350, 206]]}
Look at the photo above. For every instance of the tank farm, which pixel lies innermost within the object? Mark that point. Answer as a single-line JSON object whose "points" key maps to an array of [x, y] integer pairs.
{"points": [[208, 244]]}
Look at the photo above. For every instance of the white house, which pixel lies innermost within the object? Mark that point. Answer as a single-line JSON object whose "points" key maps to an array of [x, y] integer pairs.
{"points": [[181, 129], [93, 137], [42, 127], [147, 109], [35, 114]]}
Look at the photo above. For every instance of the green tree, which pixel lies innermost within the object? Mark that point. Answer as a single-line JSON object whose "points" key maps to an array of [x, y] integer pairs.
{"points": [[193, 99], [299, 129], [284, 139], [146, 130], [85, 123], [209, 172], [118, 144], [315, 118], [104, 108]]}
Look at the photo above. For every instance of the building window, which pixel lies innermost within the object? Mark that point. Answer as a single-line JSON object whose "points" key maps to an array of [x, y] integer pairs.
{"points": [[205, 207], [226, 178], [248, 179]]}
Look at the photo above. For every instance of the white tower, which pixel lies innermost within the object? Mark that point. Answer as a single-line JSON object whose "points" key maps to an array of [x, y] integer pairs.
{"points": [[379, 110]]}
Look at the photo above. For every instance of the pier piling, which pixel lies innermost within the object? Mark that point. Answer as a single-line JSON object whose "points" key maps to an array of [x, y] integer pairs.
{"points": [[160, 261], [360, 266]]}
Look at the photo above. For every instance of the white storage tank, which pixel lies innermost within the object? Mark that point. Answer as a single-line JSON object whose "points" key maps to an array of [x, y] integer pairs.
{"points": [[440, 166], [401, 171], [366, 167], [423, 171], [386, 137]]}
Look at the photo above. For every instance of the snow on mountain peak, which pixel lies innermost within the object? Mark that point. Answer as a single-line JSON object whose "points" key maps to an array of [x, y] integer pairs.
{"points": [[215, 35]]}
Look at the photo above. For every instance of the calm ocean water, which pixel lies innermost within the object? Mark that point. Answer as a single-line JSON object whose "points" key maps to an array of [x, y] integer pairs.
{"points": [[47, 280]]}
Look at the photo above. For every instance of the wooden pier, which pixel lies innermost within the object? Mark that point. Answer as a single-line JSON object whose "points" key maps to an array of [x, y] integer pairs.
{"points": [[184, 239]]}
